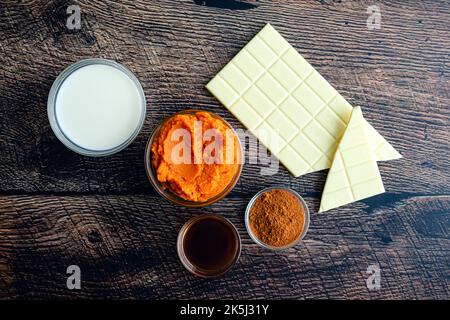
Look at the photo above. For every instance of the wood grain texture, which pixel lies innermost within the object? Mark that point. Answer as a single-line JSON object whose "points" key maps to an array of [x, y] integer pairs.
{"points": [[58, 208], [125, 247]]}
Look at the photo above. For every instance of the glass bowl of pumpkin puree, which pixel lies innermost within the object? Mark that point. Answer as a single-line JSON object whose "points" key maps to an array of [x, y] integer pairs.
{"points": [[193, 158]]}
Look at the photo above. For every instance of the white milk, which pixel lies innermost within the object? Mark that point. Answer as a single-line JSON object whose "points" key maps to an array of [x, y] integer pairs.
{"points": [[98, 107]]}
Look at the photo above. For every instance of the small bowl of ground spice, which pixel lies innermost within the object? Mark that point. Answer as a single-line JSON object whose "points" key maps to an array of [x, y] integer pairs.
{"points": [[277, 218]]}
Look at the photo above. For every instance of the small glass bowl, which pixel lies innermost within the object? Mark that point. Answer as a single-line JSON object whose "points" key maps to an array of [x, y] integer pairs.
{"points": [[169, 195], [262, 244], [51, 106], [185, 261]]}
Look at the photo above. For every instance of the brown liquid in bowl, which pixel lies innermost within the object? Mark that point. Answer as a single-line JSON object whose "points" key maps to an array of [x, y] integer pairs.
{"points": [[211, 244]]}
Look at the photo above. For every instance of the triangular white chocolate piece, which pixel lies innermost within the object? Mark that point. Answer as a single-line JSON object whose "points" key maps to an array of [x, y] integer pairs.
{"points": [[354, 173]]}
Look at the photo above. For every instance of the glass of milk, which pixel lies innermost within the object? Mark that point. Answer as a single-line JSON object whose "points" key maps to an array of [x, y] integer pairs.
{"points": [[96, 107]]}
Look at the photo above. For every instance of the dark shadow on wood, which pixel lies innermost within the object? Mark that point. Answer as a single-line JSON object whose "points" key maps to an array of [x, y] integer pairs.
{"points": [[227, 4]]}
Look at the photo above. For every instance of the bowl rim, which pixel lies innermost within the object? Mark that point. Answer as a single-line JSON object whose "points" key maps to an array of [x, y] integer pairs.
{"points": [[261, 243], [151, 174], [51, 107], [185, 261]]}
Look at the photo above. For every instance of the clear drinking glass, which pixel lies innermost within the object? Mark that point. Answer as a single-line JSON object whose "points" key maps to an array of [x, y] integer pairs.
{"points": [[51, 106]]}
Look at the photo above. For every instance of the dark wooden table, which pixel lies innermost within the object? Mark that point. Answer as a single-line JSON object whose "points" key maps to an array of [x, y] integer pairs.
{"points": [[59, 209]]}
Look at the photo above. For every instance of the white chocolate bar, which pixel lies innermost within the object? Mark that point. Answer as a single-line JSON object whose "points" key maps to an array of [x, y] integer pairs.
{"points": [[288, 105]]}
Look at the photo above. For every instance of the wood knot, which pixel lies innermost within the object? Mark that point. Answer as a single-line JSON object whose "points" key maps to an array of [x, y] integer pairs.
{"points": [[94, 236]]}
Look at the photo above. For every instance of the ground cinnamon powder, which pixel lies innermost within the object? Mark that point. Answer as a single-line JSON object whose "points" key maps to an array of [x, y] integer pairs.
{"points": [[277, 217]]}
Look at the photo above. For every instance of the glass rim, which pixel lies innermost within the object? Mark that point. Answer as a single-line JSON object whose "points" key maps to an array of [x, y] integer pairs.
{"points": [[263, 244], [169, 195], [203, 273], [51, 107]]}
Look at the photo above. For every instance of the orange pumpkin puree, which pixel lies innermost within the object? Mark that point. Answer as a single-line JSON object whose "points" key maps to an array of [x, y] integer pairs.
{"points": [[195, 180]]}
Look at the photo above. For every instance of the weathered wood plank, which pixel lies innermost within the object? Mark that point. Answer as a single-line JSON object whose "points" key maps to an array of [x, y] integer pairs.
{"points": [[125, 246], [102, 213], [399, 74]]}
